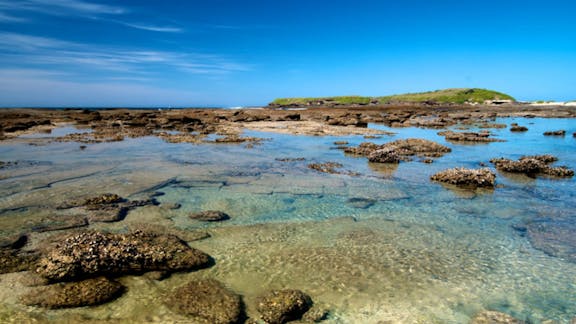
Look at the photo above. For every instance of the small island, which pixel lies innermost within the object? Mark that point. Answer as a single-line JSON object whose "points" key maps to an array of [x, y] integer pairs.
{"points": [[446, 96]]}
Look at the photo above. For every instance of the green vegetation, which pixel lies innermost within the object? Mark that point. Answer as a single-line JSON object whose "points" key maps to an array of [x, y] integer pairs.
{"points": [[458, 96], [342, 100]]}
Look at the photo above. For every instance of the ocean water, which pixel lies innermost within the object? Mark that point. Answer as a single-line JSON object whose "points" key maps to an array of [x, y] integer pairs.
{"points": [[385, 245]]}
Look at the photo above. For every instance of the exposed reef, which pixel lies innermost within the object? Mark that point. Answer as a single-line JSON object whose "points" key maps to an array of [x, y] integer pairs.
{"points": [[481, 137], [555, 133], [463, 177], [533, 166], [399, 150]]}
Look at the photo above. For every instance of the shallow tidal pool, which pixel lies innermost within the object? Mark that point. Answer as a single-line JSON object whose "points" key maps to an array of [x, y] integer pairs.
{"points": [[383, 245]]}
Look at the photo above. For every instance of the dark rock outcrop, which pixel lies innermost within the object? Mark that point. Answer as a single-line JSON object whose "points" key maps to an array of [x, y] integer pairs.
{"points": [[400, 150], [210, 216], [234, 139], [281, 306], [481, 137], [555, 133], [89, 292], [208, 301], [517, 128], [467, 177], [533, 166], [91, 254]]}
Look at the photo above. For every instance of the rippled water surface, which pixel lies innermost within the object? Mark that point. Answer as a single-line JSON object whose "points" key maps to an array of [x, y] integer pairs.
{"points": [[385, 245]]}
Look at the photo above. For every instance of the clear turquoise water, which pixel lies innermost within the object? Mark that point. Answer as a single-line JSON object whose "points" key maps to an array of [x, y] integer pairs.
{"points": [[422, 253]]}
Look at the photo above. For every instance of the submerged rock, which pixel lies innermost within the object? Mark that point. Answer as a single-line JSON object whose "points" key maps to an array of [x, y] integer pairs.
{"points": [[532, 166], [61, 222], [13, 260], [90, 254], [361, 203], [207, 300], [281, 306], [210, 216], [89, 292], [105, 199], [107, 207], [290, 159], [400, 150], [467, 177], [491, 317], [555, 238], [326, 167], [331, 168], [14, 242]]}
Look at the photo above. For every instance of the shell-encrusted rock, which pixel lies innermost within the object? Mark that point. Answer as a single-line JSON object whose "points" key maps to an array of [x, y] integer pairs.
{"points": [[90, 254]]}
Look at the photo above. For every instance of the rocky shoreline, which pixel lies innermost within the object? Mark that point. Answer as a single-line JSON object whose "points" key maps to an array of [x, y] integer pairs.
{"points": [[107, 125], [84, 267]]}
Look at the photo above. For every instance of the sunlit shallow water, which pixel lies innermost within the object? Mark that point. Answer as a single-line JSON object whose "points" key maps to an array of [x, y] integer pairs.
{"points": [[416, 252]]}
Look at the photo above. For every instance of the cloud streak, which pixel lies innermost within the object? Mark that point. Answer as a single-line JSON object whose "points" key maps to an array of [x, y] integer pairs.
{"points": [[36, 88], [161, 29], [11, 11], [61, 7], [50, 53], [5, 18]]}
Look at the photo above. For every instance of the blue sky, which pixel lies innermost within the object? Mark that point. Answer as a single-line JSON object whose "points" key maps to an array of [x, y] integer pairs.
{"points": [[233, 53]]}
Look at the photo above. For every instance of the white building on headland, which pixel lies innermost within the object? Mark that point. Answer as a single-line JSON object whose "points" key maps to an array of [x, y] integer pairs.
{"points": [[553, 103], [498, 102]]}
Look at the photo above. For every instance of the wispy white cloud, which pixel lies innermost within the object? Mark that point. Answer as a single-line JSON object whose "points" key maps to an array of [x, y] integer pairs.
{"points": [[10, 19], [13, 11], [22, 87], [82, 6], [162, 29], [35, 51], [61, 7]]}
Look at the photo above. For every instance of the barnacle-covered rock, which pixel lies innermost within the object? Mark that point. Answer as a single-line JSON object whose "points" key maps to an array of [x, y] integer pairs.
{"points": [[90, 254]]}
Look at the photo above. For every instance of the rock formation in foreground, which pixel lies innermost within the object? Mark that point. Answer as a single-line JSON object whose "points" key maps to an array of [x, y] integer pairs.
{"points": [[90, 254]]}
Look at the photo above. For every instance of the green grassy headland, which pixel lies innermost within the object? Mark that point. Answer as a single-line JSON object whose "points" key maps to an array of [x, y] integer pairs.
{"points": [[456, 96]]}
